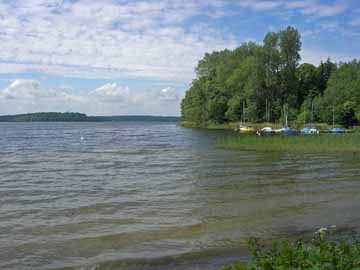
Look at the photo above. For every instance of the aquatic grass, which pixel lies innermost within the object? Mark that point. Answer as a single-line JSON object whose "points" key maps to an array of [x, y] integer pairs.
{"points": [[323, 143], [209, 125]]}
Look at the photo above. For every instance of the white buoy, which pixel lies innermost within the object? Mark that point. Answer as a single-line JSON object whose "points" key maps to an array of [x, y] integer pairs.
{"points": [[81, 138]]}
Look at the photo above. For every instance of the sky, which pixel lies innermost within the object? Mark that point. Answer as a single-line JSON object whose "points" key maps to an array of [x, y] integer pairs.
{"points": [[117, 57]]}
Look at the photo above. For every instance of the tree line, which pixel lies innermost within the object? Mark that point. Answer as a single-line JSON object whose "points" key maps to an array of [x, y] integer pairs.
{"points": [[81, 117], [267, 83]]}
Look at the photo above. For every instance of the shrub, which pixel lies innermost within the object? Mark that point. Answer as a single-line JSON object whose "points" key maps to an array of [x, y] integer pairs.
{"points": [[319, 253]]}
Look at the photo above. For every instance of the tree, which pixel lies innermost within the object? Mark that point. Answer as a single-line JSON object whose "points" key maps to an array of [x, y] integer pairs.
{"points": [[290, 46], [342, 94], [264, 79], [324, 73], [308, 78]]}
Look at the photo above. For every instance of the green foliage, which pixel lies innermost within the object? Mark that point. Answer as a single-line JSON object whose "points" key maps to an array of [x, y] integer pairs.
{"points": [[254, 82], [343, 95], [316, 254], [217, 109], [234, 108]]}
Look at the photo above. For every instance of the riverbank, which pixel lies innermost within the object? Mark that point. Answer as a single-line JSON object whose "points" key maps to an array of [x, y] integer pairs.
{"points": [[323, 143]]}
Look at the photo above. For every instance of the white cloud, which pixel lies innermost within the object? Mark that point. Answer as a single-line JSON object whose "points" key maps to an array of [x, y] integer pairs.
{"points": [[24, 96], [23, 89], [107, 39], [111, 92], [168, 94], [305, 7], [260, 5], [322, 10]]}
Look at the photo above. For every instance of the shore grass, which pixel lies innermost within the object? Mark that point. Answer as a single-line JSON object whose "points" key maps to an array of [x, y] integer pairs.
{"points": [[323, 143], [211, 125]]}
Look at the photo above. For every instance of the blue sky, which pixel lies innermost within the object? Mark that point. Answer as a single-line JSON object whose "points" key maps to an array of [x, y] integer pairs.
{"points": [[116, 57]]}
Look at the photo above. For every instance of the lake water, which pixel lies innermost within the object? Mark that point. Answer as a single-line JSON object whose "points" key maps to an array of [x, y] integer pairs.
{"points": [[156, 196]]}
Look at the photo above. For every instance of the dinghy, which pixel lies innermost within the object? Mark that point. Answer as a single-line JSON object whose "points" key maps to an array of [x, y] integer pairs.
{"points": [[287, 130], [266, 131], [246, 130], [336, 130], [307, 130]]}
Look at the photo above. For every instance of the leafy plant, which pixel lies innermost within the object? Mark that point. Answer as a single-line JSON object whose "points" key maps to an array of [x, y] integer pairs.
{"points": [[320, 253]]}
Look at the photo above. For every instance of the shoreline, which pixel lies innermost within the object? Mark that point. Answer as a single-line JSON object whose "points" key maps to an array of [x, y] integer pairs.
{"points": [[327, 143]]}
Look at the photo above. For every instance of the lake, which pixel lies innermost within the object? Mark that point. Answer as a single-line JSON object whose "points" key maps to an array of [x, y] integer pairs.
{"points": [[147, 195]]}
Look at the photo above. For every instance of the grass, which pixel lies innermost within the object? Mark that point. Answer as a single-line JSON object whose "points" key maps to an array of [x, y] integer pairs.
{"points": [[323, 143], [319, 253], [210, 125]]}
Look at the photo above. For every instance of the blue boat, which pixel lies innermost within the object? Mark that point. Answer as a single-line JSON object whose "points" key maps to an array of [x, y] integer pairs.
{"points": [[305, 130], [336, 130], [287, 130]]}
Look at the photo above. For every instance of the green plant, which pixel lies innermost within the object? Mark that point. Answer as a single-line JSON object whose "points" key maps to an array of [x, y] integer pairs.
{"points": [[319, 253]]}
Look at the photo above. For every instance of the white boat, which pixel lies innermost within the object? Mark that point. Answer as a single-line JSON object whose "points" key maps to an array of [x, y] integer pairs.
{"points": [[266, 131]]}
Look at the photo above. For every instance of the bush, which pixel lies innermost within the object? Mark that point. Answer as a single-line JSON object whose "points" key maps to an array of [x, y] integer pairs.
{"points": [[317, 254]]}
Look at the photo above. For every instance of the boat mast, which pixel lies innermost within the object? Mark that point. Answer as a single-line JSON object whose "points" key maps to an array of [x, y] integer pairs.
{"points": [[266, 110], [267, 114], [286, 114], [241, 119], [312, 110], [244, 118]]}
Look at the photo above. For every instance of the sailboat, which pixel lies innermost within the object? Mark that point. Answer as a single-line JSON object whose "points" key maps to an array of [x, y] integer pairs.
{"points": [[286, 129], [335, 130], [243, 128], [310, 130]]}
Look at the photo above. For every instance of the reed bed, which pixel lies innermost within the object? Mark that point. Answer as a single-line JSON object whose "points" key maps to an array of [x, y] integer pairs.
{"points": [[323, 143]]}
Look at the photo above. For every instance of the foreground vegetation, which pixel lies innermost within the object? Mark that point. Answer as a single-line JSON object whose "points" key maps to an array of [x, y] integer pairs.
{"points": [[323, 143], [317, 254], [266, 83]]}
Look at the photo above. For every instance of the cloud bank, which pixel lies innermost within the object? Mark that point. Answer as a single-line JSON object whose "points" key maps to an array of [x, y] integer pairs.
{"points": [[25, 96]]}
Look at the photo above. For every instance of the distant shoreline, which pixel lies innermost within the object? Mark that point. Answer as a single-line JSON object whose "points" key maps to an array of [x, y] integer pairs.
{"points": [[81, 117]]}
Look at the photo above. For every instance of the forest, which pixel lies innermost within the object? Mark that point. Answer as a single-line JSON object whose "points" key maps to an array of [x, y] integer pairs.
{"points": [[81, 117], [266, 83]]}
